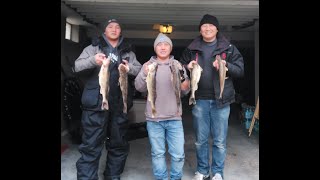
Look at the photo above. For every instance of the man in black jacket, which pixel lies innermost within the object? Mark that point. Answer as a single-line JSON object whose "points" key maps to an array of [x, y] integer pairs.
{"points": [[211, 113], [105, 126]]}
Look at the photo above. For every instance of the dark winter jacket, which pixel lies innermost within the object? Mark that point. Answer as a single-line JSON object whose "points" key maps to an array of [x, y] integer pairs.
{"points": [[91, 97], [234, 64]]}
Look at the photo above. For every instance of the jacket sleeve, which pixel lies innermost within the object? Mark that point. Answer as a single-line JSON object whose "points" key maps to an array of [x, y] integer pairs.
{"points": [[134, 64], [235, 64], [86, 59], [140, 81]]}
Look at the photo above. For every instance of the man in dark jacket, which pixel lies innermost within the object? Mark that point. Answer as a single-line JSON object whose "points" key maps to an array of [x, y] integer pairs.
{"points": [[105, 126], [211, 113]]}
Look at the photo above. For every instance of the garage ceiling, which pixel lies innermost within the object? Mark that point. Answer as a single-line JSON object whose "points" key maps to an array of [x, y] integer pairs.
{"points": [[184, 15]]}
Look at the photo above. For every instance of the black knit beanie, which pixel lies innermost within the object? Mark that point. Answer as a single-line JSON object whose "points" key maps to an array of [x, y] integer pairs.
{"points": [[209, 19], [110, 21]]}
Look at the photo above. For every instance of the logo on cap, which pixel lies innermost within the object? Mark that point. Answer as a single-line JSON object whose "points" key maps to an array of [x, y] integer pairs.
{"points": [[112, 20]]}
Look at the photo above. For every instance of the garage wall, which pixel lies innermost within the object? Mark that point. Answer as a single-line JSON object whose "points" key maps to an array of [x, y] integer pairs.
{"points": [[69, 53], [63, 22]]}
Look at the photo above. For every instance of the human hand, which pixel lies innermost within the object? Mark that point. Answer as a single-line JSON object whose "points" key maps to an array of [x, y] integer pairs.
{"points": [[190, 65], [99, 57], [145, 67], [106, 61], [216, 64], [125, 65]]}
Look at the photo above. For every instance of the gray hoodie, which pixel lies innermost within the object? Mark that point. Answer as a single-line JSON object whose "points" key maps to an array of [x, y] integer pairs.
{"points": [[165, 103]]}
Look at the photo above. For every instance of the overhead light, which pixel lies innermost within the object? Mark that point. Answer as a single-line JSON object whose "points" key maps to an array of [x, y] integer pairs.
{"points": [[166, 29]]}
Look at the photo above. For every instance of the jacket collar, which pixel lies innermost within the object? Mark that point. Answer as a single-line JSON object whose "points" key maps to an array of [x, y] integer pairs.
{"points": [[222, 43], [122, 45], [154, 59]]}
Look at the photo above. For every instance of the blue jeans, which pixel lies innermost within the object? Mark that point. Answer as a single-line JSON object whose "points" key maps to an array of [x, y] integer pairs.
{"points": [[172, 132], [208, 119]]}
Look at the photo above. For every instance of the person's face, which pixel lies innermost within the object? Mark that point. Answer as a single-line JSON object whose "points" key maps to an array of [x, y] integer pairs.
{"points": [[208, 32], [112, 31], [163, 50]]}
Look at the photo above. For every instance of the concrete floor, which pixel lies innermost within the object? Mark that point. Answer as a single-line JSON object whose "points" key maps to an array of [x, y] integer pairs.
{"points": [[242, 161]]}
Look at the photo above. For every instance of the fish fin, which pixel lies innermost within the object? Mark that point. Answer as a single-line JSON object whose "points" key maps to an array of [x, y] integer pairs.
{"points": [[226, 78], [190, 101], [124, 108]]}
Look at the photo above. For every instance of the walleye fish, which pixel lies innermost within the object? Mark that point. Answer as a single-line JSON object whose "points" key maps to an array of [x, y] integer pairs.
{"points": [[123, 82], [176, 83], [195, 75], [222, 74], [151, 86], [104, 75]]}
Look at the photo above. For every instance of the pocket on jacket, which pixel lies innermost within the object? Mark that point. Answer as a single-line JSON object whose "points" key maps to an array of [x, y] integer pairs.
{"points": [[90, 96]]}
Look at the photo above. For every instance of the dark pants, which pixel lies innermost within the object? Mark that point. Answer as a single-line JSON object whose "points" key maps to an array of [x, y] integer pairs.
{"points": [[100, 127]]}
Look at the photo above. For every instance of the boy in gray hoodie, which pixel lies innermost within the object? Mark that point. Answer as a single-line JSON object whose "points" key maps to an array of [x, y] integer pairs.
{"points": [[165, 83]]}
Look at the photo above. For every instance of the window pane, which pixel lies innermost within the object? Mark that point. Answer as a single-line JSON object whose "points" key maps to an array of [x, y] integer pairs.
{"points": [[68, 31]]}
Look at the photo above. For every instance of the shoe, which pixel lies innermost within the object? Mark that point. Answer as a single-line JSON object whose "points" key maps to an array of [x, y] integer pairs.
{"points": [[199, 176], [217, 176]]}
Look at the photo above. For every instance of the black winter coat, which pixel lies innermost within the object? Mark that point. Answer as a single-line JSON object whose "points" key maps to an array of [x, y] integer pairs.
{"points": [[92, 90], [235, 67]]}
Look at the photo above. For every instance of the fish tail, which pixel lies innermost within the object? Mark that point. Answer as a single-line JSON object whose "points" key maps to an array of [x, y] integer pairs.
{"points": [[153, 112], [192, 101], [105, 105]]}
